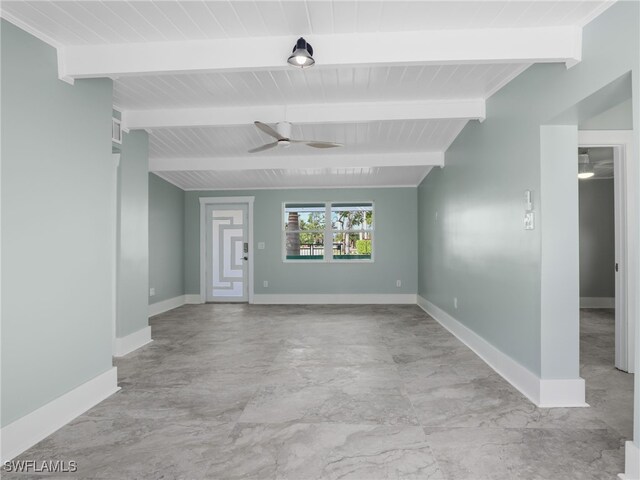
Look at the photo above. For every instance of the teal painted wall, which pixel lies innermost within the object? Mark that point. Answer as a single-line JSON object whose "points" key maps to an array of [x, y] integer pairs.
{"points": [[477, 248], [395, 244], [619, 117], [57, 227], [166, 239], [133, 234]]}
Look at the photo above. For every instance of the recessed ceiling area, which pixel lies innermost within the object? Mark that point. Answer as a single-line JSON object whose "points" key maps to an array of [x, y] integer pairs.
{"points": [[395, 82]]}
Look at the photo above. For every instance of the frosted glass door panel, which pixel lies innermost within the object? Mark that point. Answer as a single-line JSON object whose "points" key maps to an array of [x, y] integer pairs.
{"points": [[227, 254]]}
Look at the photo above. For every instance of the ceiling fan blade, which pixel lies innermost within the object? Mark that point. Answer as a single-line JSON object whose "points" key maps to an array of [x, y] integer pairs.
{"points": [[263, 147], [268, 130], [324, 144]]}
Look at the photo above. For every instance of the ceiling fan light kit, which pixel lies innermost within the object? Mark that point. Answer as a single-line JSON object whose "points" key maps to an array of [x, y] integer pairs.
{"points": [[585, 169], [302, 54]]}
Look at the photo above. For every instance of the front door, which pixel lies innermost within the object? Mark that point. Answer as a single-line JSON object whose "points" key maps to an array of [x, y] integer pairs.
{"points": [[227, 253]]}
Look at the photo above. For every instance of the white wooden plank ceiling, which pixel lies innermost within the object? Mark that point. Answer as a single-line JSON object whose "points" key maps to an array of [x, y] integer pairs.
{"points": [[360, 138], [300, 178], [315, 85], [127, 40], [98, 22]]}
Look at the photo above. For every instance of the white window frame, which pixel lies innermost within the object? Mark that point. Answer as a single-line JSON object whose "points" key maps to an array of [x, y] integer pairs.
{"points": [[116, 126], [328, 233]]}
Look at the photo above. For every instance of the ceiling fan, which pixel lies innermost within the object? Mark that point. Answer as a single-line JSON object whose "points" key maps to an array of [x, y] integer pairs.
{"points": [[282, 135]]}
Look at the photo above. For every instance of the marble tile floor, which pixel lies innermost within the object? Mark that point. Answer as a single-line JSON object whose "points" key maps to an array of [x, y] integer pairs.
{"points": [[337, 392]]}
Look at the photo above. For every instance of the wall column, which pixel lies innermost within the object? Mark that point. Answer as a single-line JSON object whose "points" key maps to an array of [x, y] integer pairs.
{"points": [[560, 284]]}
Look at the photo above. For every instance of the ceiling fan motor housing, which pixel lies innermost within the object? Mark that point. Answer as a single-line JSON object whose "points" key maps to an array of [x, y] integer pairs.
{"points": [[284, 129]]}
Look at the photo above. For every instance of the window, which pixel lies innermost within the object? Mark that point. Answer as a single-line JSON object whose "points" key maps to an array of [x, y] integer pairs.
{"points": [[352, 230], [327, 232], [304, 227], [116, 131]]}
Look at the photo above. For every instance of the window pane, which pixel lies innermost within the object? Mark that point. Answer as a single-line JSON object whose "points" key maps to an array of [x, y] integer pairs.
{"points": [[304, 246], [352, 246], [351, 216], [304, 217], [304, 226]]}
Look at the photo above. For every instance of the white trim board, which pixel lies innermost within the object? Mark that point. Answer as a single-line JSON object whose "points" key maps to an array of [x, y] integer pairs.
{"points": [[166, 305], [133, 341], [335, 299], [191, 299], [543, 393], [597, 302], [332, 112], [631, 462], [554, 44], [25, 432]]}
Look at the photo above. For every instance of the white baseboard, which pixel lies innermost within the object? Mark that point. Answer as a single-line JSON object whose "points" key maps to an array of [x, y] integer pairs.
{"points": [[562, 393], [193, 299], [631, 462], [39, 424], [543, 393], [337, 299], [597, 302], [131, 342], [166, 305]]}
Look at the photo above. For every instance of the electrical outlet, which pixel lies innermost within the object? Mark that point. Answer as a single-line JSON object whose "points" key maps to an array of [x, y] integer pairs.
{"points": [[260, 245], [152, 292], [455, 302], [398, 283], [265, 284]]}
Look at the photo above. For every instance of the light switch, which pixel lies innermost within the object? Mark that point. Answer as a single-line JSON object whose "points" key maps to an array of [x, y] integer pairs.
{"points": [[528, 203], [529, 221], [260, 245]]}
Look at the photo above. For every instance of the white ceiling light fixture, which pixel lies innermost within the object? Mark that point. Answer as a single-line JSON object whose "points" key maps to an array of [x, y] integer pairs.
{"points": [[302, 55], [585, 169]]}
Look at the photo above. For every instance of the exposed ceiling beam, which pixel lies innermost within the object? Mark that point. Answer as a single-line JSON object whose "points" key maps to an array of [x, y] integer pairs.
{"points": [[260, 162], [469, 46], [473, 109]]}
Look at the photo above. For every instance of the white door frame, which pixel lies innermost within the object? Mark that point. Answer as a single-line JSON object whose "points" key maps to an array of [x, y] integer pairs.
{"points": [[627, 211], [204, 201]]}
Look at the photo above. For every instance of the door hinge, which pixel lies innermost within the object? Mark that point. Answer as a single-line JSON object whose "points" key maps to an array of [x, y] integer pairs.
{"points": [[616, 267]]}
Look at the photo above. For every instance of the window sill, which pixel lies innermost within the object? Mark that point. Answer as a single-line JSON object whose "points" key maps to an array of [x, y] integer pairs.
{"points": [[331, 262]]}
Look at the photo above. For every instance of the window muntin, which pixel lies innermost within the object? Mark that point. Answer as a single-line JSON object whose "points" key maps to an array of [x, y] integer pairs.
{"points": [[306, 232]]}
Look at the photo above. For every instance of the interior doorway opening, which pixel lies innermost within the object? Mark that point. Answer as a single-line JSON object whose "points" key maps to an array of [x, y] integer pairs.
{"points": [[604, 327]]}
